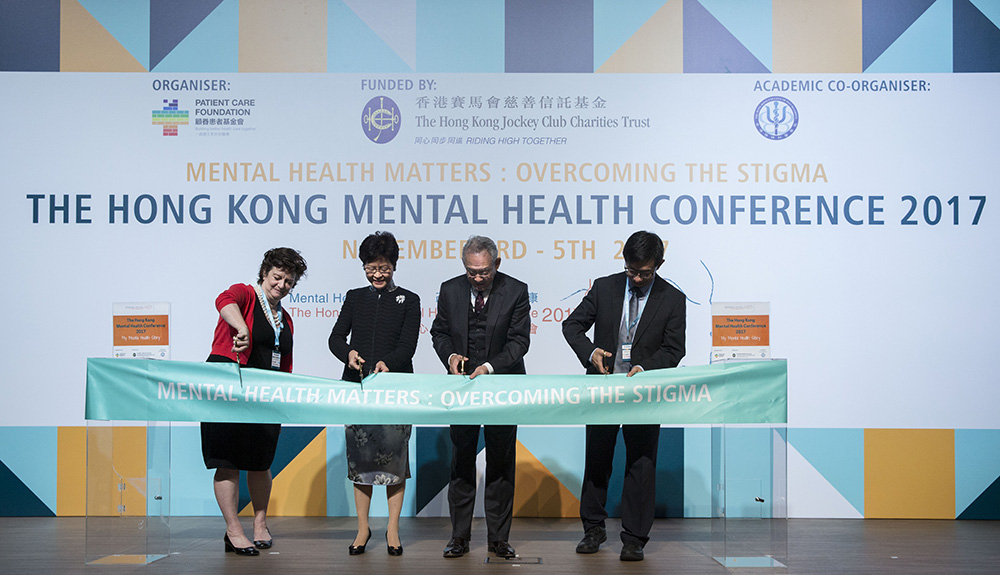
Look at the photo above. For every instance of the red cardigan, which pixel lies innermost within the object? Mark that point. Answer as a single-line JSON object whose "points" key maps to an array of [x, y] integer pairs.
{"points": [[244, 296]]}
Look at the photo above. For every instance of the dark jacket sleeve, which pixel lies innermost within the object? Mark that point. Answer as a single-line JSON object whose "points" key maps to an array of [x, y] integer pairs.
{"points": [[341, 329], [518, 336], [401, 358], [671, 337], [578, 323], [441, 327]]}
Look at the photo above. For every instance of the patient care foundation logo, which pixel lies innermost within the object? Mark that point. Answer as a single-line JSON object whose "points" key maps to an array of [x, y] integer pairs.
{"points": [[380, 119], [170, 117], [776, 118]]}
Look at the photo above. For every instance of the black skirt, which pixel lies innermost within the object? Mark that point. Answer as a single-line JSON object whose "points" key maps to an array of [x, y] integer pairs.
{"points": [[246, 446]]}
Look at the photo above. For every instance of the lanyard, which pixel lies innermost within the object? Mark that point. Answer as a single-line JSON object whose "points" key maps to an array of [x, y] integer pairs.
{"points": [[270, 316]]}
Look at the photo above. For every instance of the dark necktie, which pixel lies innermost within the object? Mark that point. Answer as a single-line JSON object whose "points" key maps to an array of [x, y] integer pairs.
{"points": [[627, 330], [633, 312], [480, 302]]}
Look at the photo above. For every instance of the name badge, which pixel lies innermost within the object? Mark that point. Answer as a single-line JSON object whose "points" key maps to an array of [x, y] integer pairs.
{"points": [[627, 352], [276, 359]]}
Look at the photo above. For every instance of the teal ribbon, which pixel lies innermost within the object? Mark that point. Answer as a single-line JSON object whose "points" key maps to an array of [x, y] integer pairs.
{"points": [[152, 390]]}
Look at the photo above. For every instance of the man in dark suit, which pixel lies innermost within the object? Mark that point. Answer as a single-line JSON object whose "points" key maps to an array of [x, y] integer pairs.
{"points": [[639, 322], [482, 327]]}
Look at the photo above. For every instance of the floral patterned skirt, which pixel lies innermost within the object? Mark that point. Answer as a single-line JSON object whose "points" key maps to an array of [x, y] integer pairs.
{"points": [[378, 454]]}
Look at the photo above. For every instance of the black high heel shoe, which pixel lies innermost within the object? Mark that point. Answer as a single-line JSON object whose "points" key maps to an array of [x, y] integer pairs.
{"points": [[359, 549], [394, 551], [264, 543], [230, 548]]}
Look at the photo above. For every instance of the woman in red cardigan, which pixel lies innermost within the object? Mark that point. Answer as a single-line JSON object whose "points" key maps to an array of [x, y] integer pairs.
{"points": [[255, 332]]}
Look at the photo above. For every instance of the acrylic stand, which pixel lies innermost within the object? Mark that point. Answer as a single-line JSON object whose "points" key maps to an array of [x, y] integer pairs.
{"points": [[128, 492]]}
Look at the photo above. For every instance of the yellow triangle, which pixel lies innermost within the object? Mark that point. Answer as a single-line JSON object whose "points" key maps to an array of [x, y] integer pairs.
{"points": [[656, 47], [537, 492], [300, 489], [86, 46]]}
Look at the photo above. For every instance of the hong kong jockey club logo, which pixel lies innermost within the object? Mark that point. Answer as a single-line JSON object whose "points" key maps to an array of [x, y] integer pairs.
{"points": [[380, 119], [170, 117], [776, 118]]}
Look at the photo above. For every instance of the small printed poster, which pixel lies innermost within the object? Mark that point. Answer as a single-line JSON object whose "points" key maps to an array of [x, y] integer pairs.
{"points": [[741, 331], [141, 330]]}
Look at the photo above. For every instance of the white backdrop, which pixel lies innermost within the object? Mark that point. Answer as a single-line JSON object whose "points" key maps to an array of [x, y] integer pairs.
{"points": [[884, 323]]}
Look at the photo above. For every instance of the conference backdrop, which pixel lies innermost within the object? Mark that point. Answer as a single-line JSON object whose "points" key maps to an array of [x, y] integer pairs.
{"points": [[833, 158]]}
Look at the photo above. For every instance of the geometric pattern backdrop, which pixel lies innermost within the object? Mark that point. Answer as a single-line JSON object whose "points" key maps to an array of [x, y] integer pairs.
{"points": [[492, 36], [842, 473]]}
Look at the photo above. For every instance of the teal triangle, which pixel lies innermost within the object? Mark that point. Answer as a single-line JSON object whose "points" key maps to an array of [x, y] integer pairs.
{"points": [[291, 442], [615, 22], [926, 46], [352, 46], [839, 456], [750, 22], [213, 45], [986, 506], [18, 500], [977, 463], [990, 9], [127, 22]]}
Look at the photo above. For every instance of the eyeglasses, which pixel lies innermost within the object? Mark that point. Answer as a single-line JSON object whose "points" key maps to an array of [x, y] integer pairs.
{"points": [[641, 274], [370, 270], [484, 273]]}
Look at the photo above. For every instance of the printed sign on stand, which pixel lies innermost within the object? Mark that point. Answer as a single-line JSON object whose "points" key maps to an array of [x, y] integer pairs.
{"points": [[741, 331], [141, 330]]}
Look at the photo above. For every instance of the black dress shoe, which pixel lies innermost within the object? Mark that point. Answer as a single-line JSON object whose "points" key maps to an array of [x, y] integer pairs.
{"points": [[502, 549], [359, 549], [394, 551], [592, 539], [631, 552], [230, 548], [456, 547]]}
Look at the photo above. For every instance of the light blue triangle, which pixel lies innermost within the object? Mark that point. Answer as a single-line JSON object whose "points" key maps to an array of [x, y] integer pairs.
{"points": [[352, 46], [191, 490], [560, 450], [839, 456], [977, 464], [750, 22], [213, 46], [32, 454], [127, 22], [615, 22], [926, 46], [990, 9]]}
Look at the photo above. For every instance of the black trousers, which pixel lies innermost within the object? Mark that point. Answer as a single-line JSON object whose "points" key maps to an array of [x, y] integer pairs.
{"points": [[639, 489], [501, 448]]}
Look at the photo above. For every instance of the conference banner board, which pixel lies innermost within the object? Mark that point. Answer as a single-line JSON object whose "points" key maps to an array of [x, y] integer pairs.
{"points": [[864, 192], [146, 390], [741, 331]]}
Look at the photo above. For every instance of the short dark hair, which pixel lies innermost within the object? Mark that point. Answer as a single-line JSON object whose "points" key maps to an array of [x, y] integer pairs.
{"points": [[379, 245], [285, 259], [643, 247]]}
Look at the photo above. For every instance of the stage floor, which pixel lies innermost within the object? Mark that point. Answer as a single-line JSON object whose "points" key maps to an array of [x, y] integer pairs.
{"points": [[319, 545]]}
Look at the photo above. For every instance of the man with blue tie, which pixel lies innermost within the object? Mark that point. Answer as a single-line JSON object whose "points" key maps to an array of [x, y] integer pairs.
{"points": [[639, 323]]}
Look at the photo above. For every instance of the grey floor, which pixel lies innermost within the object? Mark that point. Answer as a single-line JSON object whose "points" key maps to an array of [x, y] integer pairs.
{"points": [[689, 546]]}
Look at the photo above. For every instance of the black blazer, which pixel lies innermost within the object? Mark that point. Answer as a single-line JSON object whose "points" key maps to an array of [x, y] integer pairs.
{"points": [[508, 323], [381, 328], [659, 337]]}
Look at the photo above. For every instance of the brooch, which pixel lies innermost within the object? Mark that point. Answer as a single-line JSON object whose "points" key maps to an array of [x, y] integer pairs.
{"points": [[400, 298]]}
